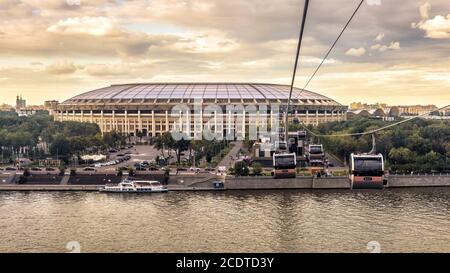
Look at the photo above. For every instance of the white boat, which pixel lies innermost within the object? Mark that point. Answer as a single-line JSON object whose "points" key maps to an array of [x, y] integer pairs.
{"points": [[129, 186]]}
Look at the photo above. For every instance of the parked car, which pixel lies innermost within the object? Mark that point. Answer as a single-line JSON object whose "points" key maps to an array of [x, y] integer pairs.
{"points": [[36, 169], [10, 169], [89, 169], [48, 169]]}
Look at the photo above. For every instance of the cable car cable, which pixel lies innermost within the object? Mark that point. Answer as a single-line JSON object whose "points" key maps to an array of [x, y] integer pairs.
{"points": [[374, 130], [334, 44], [300, 38]]}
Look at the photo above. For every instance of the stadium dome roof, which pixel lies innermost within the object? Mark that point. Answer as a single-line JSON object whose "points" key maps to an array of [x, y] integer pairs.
{"points": [[174, 92]]}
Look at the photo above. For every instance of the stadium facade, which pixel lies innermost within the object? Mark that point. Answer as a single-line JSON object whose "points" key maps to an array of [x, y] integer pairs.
{"points": [[221, 107]]}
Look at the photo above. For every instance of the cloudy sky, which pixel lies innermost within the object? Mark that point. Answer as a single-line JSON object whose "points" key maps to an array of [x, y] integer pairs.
{"points": [[394, 51]]}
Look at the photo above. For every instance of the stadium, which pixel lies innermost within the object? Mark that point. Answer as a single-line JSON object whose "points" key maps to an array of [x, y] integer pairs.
{"points": [[148, 109]]}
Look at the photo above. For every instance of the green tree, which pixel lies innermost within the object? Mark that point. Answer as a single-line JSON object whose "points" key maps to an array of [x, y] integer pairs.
{"points": [[60, 146]]}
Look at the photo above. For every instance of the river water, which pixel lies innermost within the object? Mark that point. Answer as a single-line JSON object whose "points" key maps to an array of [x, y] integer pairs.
{"points": [[406, 220]]}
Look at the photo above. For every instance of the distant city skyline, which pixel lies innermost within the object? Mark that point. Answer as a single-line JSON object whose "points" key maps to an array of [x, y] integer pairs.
{"points": [[394, 51]]}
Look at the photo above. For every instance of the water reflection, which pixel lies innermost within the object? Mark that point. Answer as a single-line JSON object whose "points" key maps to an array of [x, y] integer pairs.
{"points": [[405, 220]]}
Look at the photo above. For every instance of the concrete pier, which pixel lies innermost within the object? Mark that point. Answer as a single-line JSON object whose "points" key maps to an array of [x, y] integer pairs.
{"points": [[402, 181], [204, 182]]}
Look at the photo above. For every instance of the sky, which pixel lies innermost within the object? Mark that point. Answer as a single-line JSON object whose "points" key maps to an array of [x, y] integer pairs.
{"points": [[396, 51]]}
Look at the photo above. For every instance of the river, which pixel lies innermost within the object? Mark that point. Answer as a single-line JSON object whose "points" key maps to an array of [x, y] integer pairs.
{"points": [[398, 220]]}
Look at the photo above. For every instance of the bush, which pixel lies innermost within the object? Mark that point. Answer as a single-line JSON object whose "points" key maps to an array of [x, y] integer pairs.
{"points": [[166, 176], [26, 172], [131, 172], [241, 168], [73, 172], [62, 171], [257, 169]]}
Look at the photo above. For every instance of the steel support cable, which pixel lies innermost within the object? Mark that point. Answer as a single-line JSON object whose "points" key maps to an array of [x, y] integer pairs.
{"points": [[374, 130], [300, 38], [334, 44]]}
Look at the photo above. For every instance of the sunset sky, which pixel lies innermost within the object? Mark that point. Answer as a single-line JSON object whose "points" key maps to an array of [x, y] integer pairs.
{"points": [[394, 51]]}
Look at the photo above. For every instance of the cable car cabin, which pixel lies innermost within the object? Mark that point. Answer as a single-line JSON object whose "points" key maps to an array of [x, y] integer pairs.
{"points": [[301, 135], [367, 171], [281, 145], [316, 155], [284, 165]]}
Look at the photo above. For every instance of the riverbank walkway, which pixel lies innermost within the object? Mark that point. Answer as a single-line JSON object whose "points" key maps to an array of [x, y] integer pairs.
{"points": [[230, 158]]}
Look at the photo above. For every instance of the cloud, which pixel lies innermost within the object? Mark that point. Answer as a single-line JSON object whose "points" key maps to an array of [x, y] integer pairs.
{"points": [[436, 28], [95, 26], [425, 10], [394, 45], [356, 52], [73, 2], [374, 2], [108, 69], [116, 41], [383, 48], [62, 67], [379, 37], [206, 43]]}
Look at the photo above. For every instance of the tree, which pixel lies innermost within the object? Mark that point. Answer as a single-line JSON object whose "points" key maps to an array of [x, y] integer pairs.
{"points": [[140, 135], [163, 142], [113, 139], [180, 146], [60, 146]]}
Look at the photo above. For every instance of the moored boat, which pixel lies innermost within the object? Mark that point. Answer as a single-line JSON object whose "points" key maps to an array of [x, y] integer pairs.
{"points": [[129, 186]]}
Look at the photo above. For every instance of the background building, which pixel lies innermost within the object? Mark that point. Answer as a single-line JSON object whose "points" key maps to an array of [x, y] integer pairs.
{"points": [[20, 103], [146, 108], [51, 106]]}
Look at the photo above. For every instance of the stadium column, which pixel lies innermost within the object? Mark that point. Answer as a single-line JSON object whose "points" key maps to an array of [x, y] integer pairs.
{"points": [[215, 122], [201, 124], [317, 117], [188, 123], [167, 121], [257, 118], [126, 126], [307, 117], [102, 126], [140, 121], [229, 120], [92, 117], [113, 125], [243, 124], [325, 115], [153, 124]]}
